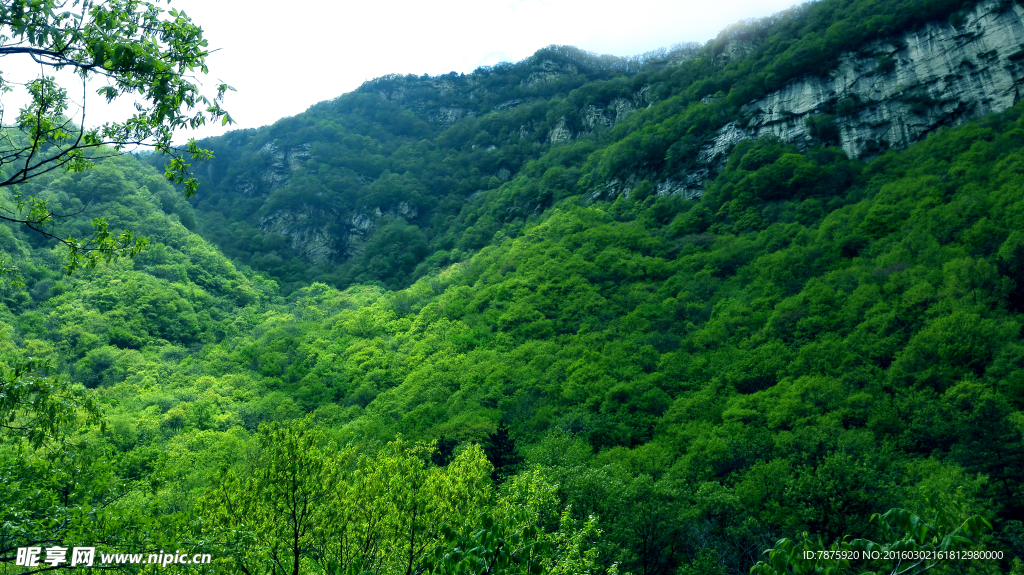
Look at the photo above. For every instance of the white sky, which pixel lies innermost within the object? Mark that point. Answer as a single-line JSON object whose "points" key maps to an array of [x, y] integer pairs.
{"points": [[283, 57]]}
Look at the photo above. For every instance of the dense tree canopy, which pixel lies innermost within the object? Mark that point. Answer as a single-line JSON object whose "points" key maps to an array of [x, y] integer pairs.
{"points": [[822, 354]]}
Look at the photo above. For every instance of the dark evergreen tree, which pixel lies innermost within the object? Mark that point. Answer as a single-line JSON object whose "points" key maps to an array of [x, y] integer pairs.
{"points": [[444, 451], [502, 453]]}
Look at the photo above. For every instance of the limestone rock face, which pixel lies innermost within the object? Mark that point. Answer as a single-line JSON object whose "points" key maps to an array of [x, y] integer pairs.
{"points": [[737, 50], [560, 133], [318, 242], [279, 165], [332, 232], [314, 233], [399, 210], [595, 117], [886, 94], [891, 94], [621, 186], [446, 116], [616, 111], [550, 71], [508, 105], [307, 237]]}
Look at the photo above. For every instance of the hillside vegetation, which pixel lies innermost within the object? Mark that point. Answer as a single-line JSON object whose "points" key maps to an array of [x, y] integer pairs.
{"points": [[441, 164], [526, 377]]}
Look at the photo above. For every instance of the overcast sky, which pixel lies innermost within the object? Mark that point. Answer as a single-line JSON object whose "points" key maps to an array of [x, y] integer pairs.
{"points": [[283, 57]]}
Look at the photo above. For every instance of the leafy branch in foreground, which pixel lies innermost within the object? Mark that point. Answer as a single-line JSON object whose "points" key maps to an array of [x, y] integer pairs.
{"points": [[35, 405], [101, 246], [138, 51]]}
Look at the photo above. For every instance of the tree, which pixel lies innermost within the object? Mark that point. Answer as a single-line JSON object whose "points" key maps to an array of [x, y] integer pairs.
{"points": [[524, 534], [501, 452], [55, 485], [283, 506], [911, 544], [302, 504], [393, 507], [34, 405], [138, 52]]}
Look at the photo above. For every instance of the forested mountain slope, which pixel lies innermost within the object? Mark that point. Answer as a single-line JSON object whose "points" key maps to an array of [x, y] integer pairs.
{"points": [[701, 383], [442, 163], [815, 339]]}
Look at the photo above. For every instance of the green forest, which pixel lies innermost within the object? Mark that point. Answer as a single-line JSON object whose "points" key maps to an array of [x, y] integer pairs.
{"points": [[815, 367]]}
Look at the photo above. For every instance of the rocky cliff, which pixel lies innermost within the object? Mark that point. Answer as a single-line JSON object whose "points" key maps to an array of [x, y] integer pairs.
{"points": [[888, 94]]}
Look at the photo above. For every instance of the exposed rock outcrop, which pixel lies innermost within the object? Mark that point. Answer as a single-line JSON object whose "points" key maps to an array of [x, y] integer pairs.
{"points": [[616, 111], [317, 242], [301, 227], [886, 94], [893, 93], [446, 116], [550, 71], [279, 166], [560, 133], [595, 117]]}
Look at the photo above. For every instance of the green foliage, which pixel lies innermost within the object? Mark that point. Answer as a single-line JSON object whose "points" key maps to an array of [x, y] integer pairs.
{"points": [[513, 539], [909, 543], [300, 503], [814, 342], [283, 506], [143, 53], [501, 452], [35, 406], [447, 165]]}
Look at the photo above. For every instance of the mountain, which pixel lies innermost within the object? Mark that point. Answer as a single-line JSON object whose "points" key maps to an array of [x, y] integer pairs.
{"points": [[319, 196], [577, 314]]}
